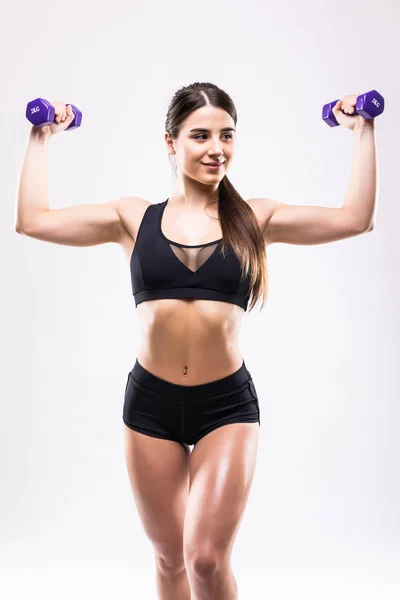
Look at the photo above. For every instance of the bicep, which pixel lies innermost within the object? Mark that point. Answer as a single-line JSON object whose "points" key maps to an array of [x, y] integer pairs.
{"points": [[80, 225], [291, 224]]}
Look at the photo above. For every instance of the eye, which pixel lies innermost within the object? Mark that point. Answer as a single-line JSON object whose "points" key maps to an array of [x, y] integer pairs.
{"points": [[204, 134]]}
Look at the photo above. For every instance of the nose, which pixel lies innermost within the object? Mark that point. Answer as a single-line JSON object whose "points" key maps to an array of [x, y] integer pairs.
{"points": [[216, 147], [215, 154]]}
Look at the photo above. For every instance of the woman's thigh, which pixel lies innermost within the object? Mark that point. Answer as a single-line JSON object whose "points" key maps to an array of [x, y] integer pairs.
{"points": [[221, 469], [158, 471]]}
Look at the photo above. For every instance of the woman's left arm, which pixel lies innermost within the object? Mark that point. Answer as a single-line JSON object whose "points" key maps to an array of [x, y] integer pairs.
{"points": [[290, 224], [362, 191]]}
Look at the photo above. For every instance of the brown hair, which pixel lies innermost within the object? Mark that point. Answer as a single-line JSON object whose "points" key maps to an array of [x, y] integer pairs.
{"points": [[239, 225]]}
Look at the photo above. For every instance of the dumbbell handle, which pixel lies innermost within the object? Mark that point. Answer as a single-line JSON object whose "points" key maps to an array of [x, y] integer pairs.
{"points": [[40, 112], [368, 105]]}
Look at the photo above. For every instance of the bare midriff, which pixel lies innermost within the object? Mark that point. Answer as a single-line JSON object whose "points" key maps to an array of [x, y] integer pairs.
{"points": [[189, 341]]}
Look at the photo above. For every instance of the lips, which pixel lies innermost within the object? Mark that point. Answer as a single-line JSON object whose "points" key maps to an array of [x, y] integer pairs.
{"points": [[213, 164]]}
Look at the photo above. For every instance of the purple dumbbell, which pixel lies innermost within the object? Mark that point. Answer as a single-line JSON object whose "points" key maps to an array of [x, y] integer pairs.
{"points": [[368, 105], [40, 112]]}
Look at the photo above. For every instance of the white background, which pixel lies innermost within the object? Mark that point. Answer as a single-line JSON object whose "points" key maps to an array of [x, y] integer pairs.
{"points": [[322, 519]]}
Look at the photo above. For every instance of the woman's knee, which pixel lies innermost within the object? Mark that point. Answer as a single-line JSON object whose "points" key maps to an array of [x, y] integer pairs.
{"points": [[169, 561], [204, 562]]}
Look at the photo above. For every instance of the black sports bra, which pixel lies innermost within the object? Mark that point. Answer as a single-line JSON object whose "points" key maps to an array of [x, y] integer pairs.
{"points": [[161, 268]]}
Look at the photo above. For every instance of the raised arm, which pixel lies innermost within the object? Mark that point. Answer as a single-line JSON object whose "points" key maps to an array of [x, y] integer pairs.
{"points": [[291, 224], [81, 225]]}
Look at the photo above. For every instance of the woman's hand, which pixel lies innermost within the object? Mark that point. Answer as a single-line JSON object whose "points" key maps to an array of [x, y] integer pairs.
{"points": [[347, 118], [63, 117]]}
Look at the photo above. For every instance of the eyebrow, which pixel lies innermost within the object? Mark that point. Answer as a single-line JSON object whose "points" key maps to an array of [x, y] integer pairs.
{"points": [[208, 131]]}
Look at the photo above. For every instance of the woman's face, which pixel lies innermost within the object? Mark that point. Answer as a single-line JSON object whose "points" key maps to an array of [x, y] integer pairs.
{"points": [[192, 149]]}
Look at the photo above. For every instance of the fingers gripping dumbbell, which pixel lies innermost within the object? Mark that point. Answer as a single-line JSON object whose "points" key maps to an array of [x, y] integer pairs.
{"points": [[369, 106], [40, 112]]}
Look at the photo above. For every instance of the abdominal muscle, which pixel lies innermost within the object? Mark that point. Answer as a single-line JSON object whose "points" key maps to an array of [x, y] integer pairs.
{"points": [[189, 341]]}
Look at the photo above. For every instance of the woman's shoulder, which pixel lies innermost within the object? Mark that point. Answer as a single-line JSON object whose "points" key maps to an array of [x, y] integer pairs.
{"points": [[263, 209], [131, 210]]}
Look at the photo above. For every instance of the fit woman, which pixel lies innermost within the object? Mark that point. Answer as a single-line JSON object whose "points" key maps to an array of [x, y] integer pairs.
{"points": [[198, 261]]}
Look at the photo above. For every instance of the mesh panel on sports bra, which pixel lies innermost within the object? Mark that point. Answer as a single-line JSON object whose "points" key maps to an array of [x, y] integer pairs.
{"points": [[193, 257]]}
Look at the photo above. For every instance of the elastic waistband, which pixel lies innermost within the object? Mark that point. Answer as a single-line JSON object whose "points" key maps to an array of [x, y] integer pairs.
{"points": [[191, 392]]}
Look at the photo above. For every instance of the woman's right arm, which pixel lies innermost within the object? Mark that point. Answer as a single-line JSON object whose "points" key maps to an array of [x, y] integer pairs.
{"points": [[81, 225]]}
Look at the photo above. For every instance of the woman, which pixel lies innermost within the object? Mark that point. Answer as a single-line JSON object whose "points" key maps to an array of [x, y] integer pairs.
{"points": [[197, 260]]}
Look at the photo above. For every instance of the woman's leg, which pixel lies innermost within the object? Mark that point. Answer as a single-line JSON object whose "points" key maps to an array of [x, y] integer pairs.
{"points": [[159, 476], [222, 467]]}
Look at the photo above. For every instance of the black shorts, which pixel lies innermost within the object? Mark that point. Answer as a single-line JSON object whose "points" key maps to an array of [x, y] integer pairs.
{"points": [[185, 414]]}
